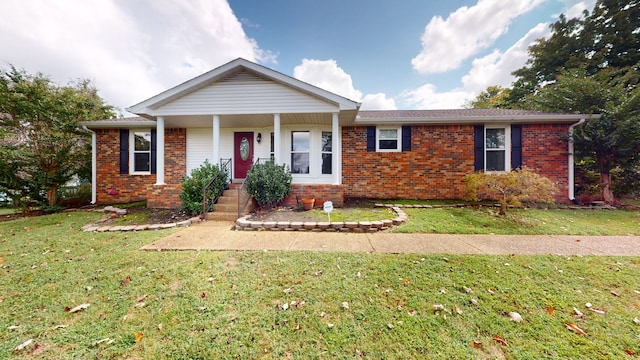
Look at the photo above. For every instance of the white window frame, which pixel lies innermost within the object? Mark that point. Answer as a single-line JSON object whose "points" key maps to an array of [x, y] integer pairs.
{"points": [[132, 151], [308, 151], [507, 147], [399, 139]]}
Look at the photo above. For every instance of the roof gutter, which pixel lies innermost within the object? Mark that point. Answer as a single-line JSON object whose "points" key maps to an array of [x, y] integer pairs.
{"points": [[94, 167], [571, 161]]}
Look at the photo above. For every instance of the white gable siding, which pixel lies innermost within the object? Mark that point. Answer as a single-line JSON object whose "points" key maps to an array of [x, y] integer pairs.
{"points": [[245, 93]]}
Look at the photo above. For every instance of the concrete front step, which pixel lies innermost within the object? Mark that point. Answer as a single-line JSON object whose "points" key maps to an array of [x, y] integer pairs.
{"points": [[222, 216], [228, 200]]}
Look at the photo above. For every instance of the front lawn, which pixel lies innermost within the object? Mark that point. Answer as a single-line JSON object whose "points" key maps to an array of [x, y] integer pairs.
{"points": [[218, 305], [485, 220]]}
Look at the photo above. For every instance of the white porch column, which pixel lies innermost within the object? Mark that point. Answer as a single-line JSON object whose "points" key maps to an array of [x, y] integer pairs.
{"points": [[160, 151], [277, 156], [336, 152], [216, 141]]}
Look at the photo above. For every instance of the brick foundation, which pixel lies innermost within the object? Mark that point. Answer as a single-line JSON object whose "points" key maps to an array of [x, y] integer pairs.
{"points": [[322, 193]]}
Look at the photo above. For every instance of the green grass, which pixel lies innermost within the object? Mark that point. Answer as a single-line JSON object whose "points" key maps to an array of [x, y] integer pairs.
{"points": [[8, 211], [224, 305], [353, 214], [520, 221]]}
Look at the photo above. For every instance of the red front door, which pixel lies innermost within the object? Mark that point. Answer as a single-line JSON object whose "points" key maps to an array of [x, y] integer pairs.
{"points": [[242, 154]]}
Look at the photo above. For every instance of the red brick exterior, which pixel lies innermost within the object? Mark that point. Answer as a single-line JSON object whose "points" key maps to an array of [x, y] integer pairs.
{"points": [[114, 188], [322, 193], [545, 151], [440, 156]]}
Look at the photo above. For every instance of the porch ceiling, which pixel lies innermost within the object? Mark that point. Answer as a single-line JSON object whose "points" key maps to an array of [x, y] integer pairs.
{"points": [[256, 120]]}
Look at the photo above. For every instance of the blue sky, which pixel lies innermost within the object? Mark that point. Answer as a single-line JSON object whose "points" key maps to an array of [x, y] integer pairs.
{"points": [[409, 54]]}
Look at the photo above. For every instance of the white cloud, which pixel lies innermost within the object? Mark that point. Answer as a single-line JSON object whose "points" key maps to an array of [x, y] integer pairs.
{"points": [[496, 68], [327, 75], [377, 101], [575, 8], [446, 43], [131, 50], [427, 97], [492, 69]]}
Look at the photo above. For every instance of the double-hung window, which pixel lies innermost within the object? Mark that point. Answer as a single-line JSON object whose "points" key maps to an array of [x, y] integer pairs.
{"points": [[300, 145], [495, 148], [388, 139], [141, 145], [326, 152]]}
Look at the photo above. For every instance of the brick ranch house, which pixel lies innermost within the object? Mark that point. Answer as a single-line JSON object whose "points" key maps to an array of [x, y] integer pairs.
{"points": [[242, 111]]}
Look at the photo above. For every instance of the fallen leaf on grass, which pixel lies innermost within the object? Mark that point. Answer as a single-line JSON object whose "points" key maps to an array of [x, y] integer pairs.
{"points": [[514, 316], [137, 337], [125, 281], [77, 308], [57, 327], [597, 311], [411, 313], [345, 305], [390, 326], [467, 290], [438, 307], [13, 327], [477, 344], [203, 295], [458, 310], [614, 293], [141, 297], [550, 311], [578, 312], [629, 352], [474, 302], [500, 340], [22, 346], [636, 321], [575, 328], [105, 340]]}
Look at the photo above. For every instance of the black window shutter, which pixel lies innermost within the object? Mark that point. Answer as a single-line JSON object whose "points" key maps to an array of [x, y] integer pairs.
{"points": [[124, 151], [371, 138], [516, 146], [478, 147], [406, 138], [154, 152]]}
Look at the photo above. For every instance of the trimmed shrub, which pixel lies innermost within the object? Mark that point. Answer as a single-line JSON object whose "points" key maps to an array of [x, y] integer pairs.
{"points": [[509, 188], [269, 183], [192, 186]]}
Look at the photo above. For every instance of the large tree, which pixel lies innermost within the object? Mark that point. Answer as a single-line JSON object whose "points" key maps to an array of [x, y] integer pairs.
{"points": [[587, 65], [41, 145]]}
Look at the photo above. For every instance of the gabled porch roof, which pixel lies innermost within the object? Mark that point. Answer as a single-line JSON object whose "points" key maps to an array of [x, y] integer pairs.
{"points": [[245, 94]]}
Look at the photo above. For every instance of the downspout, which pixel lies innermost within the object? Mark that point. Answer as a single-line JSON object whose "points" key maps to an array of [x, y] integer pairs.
{"points": [[94, 171], [571, 161]]}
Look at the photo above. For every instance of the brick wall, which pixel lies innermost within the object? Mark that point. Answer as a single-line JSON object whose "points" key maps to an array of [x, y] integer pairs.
{"points": [[545, 150], [440, 156], [113, 187], [322, 193]]}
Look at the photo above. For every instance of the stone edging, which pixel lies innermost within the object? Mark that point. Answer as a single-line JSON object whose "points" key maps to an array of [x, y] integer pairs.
{"points": [[98, 226], [245, 224]]}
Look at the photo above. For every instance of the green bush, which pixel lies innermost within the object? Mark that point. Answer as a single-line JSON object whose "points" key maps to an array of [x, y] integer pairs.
{"points": [[269, 183], [191, 195]]}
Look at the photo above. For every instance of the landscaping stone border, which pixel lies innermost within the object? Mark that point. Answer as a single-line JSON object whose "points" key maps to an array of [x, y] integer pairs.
{"points": [[246, 224], [100, 226]]}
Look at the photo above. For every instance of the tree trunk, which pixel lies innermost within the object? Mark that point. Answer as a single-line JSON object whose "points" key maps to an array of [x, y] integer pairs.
{"points": [[607, 194], [503, 207], [52, 193]]}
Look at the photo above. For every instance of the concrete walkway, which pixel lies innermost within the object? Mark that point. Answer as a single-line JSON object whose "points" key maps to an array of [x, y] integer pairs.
{"points": [[213, 235]]}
